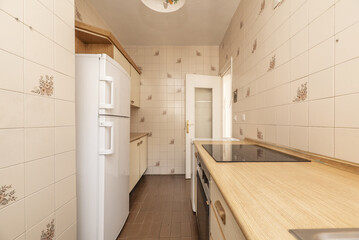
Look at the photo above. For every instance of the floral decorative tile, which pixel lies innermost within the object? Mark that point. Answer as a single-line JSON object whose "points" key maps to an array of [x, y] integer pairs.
{"points": [[149, 97], [213, 68], [241, 25], [238, 51], [172, 141], [179, 60], [241, 131], [248, 92], [142, 119], [272, 64], [49, 233], [302, 93], [169, 75], [46, 86], [140, 68], [172, 171], [157, 53], [263, 5], [164, 112], [158, 163], [227, 56], [78, 14], [198, 53], [254, 46], [179, 90], [7, 195], [260, 134], [150, 134]]}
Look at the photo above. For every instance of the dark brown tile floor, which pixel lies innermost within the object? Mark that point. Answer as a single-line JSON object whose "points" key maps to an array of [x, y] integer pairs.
{"points": [[160, 209]]}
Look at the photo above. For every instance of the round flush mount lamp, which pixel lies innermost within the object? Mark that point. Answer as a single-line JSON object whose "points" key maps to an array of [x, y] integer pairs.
{"points": [[164, 6]]}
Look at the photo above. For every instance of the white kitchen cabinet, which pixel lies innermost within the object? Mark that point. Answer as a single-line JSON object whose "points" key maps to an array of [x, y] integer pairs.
{"points": [[138, 160], [222, 217], [135, 87]]}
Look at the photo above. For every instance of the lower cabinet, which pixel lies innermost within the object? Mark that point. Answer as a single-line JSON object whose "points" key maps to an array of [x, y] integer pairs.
{"points": [[138, 160], [222, 222]]}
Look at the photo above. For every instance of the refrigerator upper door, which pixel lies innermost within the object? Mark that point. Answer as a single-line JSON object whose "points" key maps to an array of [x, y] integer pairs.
{"points": [[113, 176], [114, 88]]}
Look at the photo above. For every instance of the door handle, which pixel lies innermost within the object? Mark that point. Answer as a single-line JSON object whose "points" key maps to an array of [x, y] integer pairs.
{"points": [[110, 80], [220, 211], [104, 124], [188, 126]]}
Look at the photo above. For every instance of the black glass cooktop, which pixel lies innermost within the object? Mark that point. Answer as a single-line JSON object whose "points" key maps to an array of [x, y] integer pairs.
{"points": [[247, 153]]}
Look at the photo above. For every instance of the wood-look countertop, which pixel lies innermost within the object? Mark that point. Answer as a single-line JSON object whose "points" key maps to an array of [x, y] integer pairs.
{"points": [[268, 199], [135, 136]]}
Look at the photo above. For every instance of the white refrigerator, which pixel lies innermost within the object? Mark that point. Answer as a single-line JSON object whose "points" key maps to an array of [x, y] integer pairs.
{"points": [[103, 146]]}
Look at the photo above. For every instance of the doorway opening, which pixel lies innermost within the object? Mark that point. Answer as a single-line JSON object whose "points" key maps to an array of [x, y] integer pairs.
{"points": [[227, 103]]}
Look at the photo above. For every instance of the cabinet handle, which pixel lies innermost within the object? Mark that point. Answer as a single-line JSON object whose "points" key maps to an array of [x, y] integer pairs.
{"points": [[220, 211], [132, 102]]}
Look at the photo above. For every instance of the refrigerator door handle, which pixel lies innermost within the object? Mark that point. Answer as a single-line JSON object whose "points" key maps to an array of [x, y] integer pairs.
{"points": [[110, 105], [104, 125]]}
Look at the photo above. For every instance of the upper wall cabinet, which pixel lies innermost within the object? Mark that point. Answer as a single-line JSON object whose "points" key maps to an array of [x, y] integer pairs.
{"points": [[94, 40]]}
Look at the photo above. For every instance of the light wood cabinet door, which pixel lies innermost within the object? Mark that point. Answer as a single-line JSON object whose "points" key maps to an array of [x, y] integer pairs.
{"points": [[135, 87], [215, 229], [143, 155], [118, 56], [226, 220], [134, 164]]}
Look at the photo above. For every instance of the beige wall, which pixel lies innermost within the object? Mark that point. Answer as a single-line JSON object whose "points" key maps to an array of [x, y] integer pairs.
{"points": [[37, 121], [162, 111], [86, 13], [296, 71]]}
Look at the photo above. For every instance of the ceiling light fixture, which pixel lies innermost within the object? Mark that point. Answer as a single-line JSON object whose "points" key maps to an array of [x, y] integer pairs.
{"points": [[164, 6]]}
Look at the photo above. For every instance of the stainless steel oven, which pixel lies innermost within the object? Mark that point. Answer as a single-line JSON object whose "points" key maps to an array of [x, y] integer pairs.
{"points": [[203, 200]]}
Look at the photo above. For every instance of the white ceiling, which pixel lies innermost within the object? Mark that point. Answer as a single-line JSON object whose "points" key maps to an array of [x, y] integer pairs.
{"points": [[199, 22]]}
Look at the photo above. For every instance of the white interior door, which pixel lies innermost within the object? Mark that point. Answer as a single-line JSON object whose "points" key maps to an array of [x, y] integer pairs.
{"points": [[203, 111]]}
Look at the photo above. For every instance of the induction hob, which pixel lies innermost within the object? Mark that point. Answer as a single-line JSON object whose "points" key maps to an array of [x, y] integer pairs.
{"points": [[247, 153]]}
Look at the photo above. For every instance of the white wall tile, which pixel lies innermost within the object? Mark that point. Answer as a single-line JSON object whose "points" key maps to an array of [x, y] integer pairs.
{"points": [[12, 104], [12, 41], [39, 174], [299, 138], [12, 73], [13, 7], [39, 143], [39, 17], [65, 165], [65, 11], [39, 111], [346, 14], [321, 28], [64, 35], [346, 111], [321, 113], [65, 190], [346, 144], [321, 84], [11, 145], [318, 7], [64, 139], [65, 217], [321, 56], [12, 220], [38, 48], [38, 206], [346, 47], [346, 77], [64, 113], [64, 61], [321, 141]]}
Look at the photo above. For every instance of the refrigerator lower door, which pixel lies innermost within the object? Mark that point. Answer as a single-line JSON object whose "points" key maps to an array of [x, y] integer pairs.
{"points": [[113, 175]]}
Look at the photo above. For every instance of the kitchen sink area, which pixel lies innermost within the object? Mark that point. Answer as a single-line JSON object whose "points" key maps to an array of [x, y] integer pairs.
{"points": [[326, 234]]}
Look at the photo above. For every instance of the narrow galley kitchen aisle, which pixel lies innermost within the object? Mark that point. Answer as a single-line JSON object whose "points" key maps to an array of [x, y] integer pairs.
{"points": [[160, 208]]}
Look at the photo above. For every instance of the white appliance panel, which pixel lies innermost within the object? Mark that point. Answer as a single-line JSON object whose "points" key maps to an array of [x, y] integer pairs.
{"points": [[114, 88], [114, 177]]}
